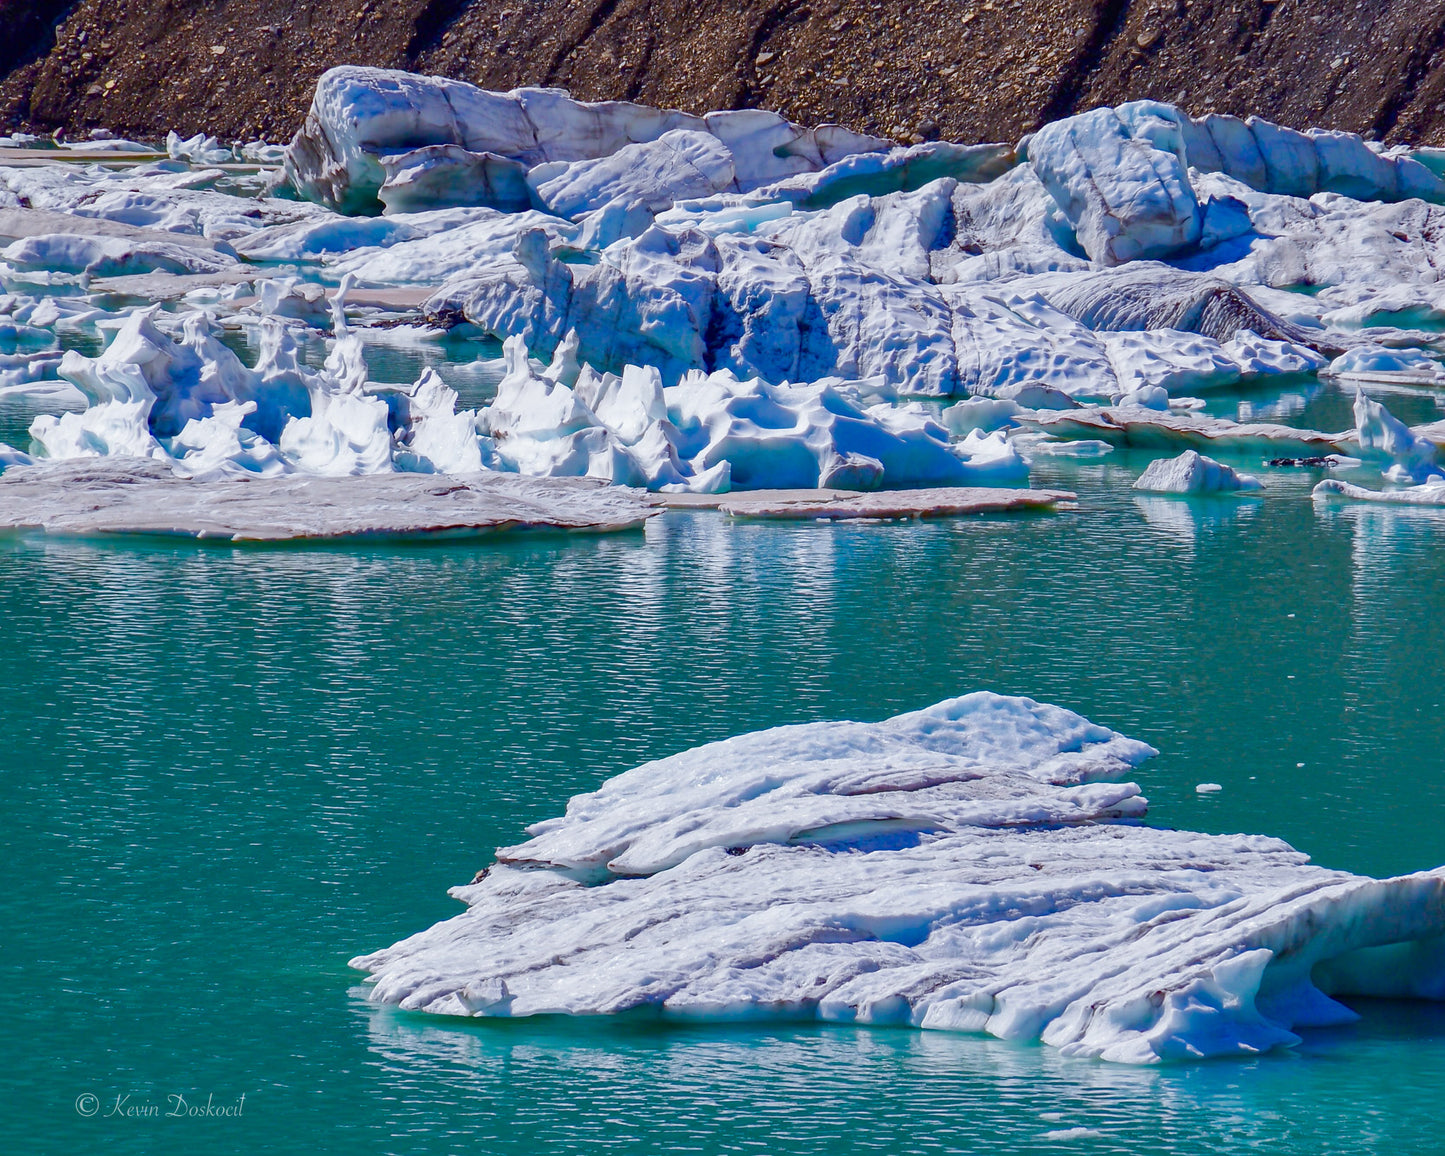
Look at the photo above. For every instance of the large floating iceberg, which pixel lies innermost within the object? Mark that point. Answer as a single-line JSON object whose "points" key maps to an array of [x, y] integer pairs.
{"points": [[976, 866]]}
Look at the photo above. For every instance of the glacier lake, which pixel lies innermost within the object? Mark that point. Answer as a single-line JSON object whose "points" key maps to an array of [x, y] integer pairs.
{"points": [[232, 768], [277, 685]]}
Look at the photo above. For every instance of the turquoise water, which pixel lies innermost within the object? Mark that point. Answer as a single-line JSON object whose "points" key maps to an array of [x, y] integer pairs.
{"points": [[228, 770]]}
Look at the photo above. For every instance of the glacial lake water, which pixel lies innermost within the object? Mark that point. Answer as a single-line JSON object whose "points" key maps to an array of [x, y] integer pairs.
{"points": [[228, 770]]}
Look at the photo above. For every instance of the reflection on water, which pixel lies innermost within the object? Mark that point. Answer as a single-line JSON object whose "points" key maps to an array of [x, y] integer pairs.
{"points": [[809, 1088], [1186, 518]]}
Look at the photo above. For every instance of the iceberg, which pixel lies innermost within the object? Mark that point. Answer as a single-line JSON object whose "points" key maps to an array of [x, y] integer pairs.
{"points": [[975, 866], [1430, 492], [1379, 434], [1193, 473], [1146, 428]]}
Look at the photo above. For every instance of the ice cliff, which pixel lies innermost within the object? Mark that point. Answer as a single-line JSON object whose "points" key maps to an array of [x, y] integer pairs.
{"points": [[976, 866]]}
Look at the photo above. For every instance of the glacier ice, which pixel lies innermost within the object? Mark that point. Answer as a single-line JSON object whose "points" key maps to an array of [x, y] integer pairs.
{"points": [[1093, 282], [975, 866], [193, 404], [714, 432], [1120, 178], [360, 115]]}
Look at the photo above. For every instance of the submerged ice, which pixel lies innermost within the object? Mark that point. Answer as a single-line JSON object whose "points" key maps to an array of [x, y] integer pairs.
{"points": [[976, 866]]}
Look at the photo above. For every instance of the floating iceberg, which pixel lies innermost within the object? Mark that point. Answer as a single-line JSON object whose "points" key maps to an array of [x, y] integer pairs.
{"points": [[1146, 428], [1379, 434], [976, 866], [1193, 473]]}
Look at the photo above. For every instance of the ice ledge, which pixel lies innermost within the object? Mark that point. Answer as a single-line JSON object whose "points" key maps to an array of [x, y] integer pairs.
{"points": [[975, 866], [142, 496]]}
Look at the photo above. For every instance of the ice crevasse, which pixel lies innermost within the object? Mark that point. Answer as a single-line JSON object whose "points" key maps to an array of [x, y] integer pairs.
{"points": [[975, 866]]}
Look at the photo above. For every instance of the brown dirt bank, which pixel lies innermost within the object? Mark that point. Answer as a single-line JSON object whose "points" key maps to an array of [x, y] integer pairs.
{"points": [[964, 69]]}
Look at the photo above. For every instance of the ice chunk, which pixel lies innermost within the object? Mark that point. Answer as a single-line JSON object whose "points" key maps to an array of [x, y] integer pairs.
{"points": [[680, 164], [1119, 178], [199, 149], [444, 175], [1274, 159], [1381, 435], [976, 866], [1193, 473], [1151, 429], [1431, 492], [193, 405], [876, 173], [360, 115], [126, 495], [839, 505], [1381, 362], [1151, 295], [710, 427], [104, 256]]}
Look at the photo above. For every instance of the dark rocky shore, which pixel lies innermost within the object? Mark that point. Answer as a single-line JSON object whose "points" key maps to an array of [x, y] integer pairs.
{"points": [[967, 70]]}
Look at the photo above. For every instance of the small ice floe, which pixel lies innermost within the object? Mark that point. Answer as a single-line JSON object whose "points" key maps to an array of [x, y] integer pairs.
{"points": [[1431, 492], [975, 866], [1132, 425], [1193, 473], [839, 505], [199, 149]]}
